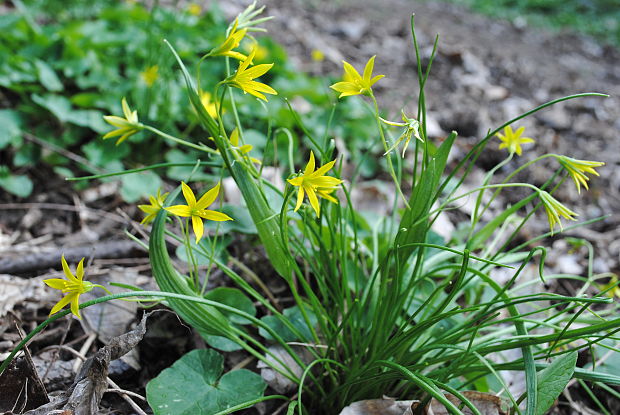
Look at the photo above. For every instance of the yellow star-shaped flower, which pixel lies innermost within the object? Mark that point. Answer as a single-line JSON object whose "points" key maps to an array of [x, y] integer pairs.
{"points": [[513, 140], [244, 78], [73, 286], [315, 183], [126, 127], [197, 210], [354, 83], [151, 210]]}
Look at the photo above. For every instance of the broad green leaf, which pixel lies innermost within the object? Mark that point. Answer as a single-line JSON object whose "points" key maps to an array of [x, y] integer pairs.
{"points": [[553, 380], [62, 109], [233, 297], [193, 385], [242, 220], [202, 251], [222, 343], [16, 184], [103, 152], [139, 185], [47, 76], [265, 219], [56, 104], [10, 128], [293, 315]]}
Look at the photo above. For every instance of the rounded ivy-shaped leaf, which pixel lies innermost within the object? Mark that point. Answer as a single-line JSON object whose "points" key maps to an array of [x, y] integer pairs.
{"points": [[234, 298], [294, 315], [193, 385], [222, 343]]}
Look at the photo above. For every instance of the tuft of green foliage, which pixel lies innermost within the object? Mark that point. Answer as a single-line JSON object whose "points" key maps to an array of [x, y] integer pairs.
{"points": [[64, 65]]}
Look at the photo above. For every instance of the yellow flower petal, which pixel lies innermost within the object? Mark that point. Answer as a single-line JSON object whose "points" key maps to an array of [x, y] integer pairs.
{"points": [[215, 216], [314, 201], [75, 306], [310, 166], [198, 227], [63, 302], [67, 270], [180, 210], [56, 283], [189, 195], [208, 198], [300, 197], [79, 272]]}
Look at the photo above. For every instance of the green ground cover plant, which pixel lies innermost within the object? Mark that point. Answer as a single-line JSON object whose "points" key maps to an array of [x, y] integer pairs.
{"points": [[63, 66], [376, 305]]}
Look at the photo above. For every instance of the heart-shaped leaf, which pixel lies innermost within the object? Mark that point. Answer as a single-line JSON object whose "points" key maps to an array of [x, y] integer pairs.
{"points": [[193, 385]]}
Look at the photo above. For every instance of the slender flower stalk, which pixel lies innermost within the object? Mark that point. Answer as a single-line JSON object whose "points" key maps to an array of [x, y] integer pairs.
{"points": [[354, 83], [512, 140], [244, 78], [126, 127], [151, 210], [197, 210], [577, 170], [314, 182], [73, 286]]}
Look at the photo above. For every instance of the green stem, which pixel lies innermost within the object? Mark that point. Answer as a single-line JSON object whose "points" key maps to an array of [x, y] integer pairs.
{"points": [[151, 167], [199, 147], [388, 156]]}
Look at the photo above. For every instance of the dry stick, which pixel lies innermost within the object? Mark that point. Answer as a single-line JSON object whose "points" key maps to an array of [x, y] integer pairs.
{"points": [[243, 363], [123, 393], [50, 259], [89, 342], [59, 206]]}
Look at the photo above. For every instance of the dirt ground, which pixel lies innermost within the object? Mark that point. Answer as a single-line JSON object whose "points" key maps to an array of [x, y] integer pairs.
{"points": [[486, 72]]}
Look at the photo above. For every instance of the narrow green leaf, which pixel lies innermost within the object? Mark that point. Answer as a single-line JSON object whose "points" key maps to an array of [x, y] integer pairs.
{"points": [[414, 224]]}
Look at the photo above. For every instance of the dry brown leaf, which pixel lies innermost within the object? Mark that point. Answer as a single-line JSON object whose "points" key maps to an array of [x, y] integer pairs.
{"points": [[486, 403], [385, 406], [83, 397]]}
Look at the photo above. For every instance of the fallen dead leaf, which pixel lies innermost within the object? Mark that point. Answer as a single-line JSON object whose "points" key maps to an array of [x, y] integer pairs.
{"points": [[83, 397], [385, 406]]}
